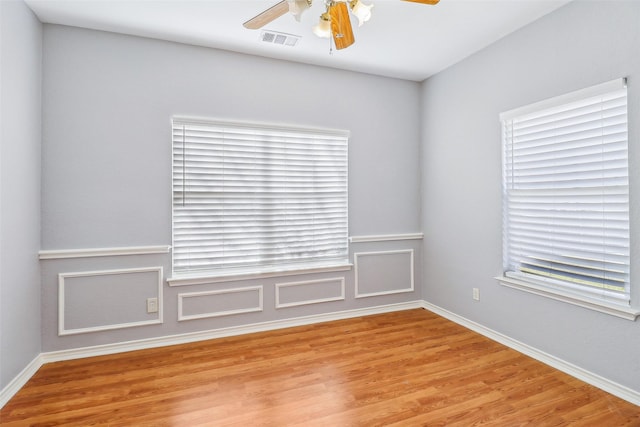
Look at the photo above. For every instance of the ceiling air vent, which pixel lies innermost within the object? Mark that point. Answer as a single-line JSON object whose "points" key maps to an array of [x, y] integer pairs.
{"points": [[283, 39]]}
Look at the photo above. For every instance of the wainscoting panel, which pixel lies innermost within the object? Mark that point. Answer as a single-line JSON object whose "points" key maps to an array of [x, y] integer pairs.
{"points": [[383, 273], [309, 292], [222, 302], [93, 301]]}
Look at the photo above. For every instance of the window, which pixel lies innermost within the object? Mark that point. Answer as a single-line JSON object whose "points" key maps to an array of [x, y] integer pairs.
{"points": [[254, 198], [566, 194]]}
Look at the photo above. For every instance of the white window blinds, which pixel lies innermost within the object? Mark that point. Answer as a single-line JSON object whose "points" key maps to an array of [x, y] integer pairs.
{"points": [[249, 196], [566, 202]]}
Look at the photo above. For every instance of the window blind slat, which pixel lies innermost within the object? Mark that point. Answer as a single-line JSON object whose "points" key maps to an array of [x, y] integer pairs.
{"points": [[566, 195], [247, 195]]}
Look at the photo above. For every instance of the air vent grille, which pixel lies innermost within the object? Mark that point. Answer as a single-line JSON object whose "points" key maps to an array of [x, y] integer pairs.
{"points": [[282, 39]]}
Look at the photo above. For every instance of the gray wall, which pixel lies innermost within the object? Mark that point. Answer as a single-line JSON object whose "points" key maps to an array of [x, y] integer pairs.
{"points": [[107, 103], [20, 123], [582, 44]]}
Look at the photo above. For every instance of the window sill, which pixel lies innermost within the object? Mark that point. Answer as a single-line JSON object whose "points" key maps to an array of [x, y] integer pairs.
{"points": [[230, 276], [617, 310]]}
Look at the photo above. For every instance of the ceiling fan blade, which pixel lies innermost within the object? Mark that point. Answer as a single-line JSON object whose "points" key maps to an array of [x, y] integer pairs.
{"points": [[267, 16], [341, 25], [432, 2]]}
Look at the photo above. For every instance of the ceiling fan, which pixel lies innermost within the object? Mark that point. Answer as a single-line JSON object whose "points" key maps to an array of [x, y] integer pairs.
{"points": [[335, 22]]}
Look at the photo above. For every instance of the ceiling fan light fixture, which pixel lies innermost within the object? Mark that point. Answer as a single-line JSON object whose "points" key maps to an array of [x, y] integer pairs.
{"points": [[323, 27], [297, 7], [361, 11], [341, 25], [334, 23]]}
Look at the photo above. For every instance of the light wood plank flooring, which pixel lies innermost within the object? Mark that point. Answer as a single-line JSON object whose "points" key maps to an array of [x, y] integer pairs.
{"points": [[410, 368]]}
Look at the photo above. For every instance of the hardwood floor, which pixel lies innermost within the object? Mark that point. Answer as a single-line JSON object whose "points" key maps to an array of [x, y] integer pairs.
{"points": [[410, 368]]}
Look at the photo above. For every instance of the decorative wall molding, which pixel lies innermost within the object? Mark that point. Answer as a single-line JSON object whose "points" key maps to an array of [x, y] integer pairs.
{"points": [[319, 282], [386, 238], [358, 288], [102, 252], [62, 277], [251, 289], [575, 371]]}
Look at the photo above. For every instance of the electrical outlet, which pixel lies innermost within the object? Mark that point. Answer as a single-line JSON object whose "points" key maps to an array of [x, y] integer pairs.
{"points": [[476, 294], [152, 305]]}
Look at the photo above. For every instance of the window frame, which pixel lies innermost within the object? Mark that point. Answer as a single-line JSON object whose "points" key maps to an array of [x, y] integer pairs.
{"points": [[551, 288], [325, 264]]}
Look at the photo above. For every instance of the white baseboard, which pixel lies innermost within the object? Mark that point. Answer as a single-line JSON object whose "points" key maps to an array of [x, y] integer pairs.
{"points": [[55, 356], [20, 380], [595, 380]]}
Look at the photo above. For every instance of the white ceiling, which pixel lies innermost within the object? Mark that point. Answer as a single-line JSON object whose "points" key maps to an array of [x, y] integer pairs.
{"points": [[404, 40]]}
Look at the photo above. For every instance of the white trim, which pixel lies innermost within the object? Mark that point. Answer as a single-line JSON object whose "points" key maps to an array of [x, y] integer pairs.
{"points": [[192, 120], [100, 252], [20, 380], [181, 297], [101, 350], [61, 301], [558, 295], [595, 380], [340, 297], [386, 238], [584, 93], [390, 292], [206, 278]]}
